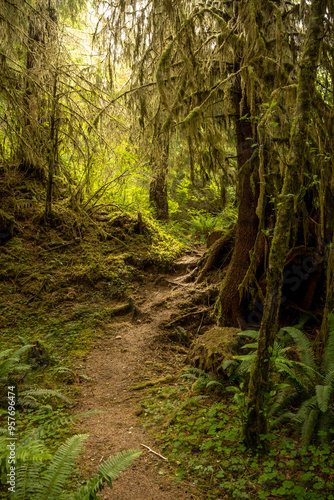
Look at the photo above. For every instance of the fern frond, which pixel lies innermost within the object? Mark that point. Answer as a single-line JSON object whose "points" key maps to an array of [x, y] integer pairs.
{"points": [[52, 480], [244, 367], [27, 477], [213, 383], [30, 403], [108, 471], [22, 350], [329, 377], [35, 451], [17, 353], [328, 357], [303, 345], [285, 400], [276, 422], [245, 357], [304, 409], [11, 366], [35, 393], [286, 368], [117, 464], [309, 425], [250, 346], [65, 421], [227, 363], [253, 334], [5, 353], [323, 393]]}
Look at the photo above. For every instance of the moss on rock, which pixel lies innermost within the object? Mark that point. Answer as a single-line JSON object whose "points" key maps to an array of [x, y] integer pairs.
{"points": [[211, 349]]}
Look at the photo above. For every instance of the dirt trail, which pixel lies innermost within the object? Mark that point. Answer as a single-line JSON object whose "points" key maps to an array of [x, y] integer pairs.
{"points": [[130, 353]]}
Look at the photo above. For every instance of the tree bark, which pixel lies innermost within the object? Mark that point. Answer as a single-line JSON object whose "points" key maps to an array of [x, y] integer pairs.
{"points": [[41, 37], [329, 304], [247, 226], [158, 186], [53, 150], [256, 422]]}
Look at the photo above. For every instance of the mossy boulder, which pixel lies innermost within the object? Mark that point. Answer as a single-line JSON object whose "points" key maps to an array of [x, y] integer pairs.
{"points": [[215, 346]]}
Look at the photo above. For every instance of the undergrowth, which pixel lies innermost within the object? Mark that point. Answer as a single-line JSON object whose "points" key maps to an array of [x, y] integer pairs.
{"points": [[200, 435], [59, 284]]}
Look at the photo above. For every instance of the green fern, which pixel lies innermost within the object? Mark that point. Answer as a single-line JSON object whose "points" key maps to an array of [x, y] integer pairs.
{"points": [[315, 388], [202, 380], [29, 448], [53, 479], [30, 397], [10, 364], [303, 345], [301, 383], [34, 481], [328, 357], [108, 471]]}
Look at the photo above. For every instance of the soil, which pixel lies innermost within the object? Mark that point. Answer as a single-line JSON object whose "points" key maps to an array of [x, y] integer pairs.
{"points": [[132, 352]]}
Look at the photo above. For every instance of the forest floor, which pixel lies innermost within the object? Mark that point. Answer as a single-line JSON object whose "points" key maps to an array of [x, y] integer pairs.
{"points": [[132, 352], [60, 286], [110, 330]]}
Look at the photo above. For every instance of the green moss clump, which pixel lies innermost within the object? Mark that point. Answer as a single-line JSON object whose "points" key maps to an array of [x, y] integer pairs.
{"points": [[211, 349]]}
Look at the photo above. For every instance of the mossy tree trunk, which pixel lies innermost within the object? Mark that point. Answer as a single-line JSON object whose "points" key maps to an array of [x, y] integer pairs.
{"points": [[329, 304], [247, 226], [256, 422], [158, 186], [33, 148], [53, 151]]}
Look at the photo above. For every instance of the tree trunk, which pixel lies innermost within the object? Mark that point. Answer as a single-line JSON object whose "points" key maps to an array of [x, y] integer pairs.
{"points": [[158, 186], [42, 36], [329, 304], [247, 226], [256, 421], [53, 150]]}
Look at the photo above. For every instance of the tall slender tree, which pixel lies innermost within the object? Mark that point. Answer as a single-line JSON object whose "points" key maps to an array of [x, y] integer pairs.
{"points": [[256, 422]]}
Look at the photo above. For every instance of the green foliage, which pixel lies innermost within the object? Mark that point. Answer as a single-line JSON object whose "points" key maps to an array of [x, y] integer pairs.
{"points": [[35, 397], [37, 430], [202, 224], [30, 447], [302, 383], [314, 388], [164, 247], [11, 365], [202, 381], [36, 481], [12, 368], [108, 471], [201, 438]]}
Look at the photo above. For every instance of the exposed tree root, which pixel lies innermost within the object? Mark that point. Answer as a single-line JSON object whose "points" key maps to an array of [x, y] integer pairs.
{"points": [[151, 383], [218, 255], [180, 319], [129, 307]]}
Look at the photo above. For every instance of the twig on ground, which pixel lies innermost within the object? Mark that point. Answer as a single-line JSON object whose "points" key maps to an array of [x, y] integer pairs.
{"points": [[155, 453]]}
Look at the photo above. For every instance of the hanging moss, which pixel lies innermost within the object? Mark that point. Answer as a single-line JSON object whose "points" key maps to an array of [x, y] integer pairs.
{"points": [[192, 116]]}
